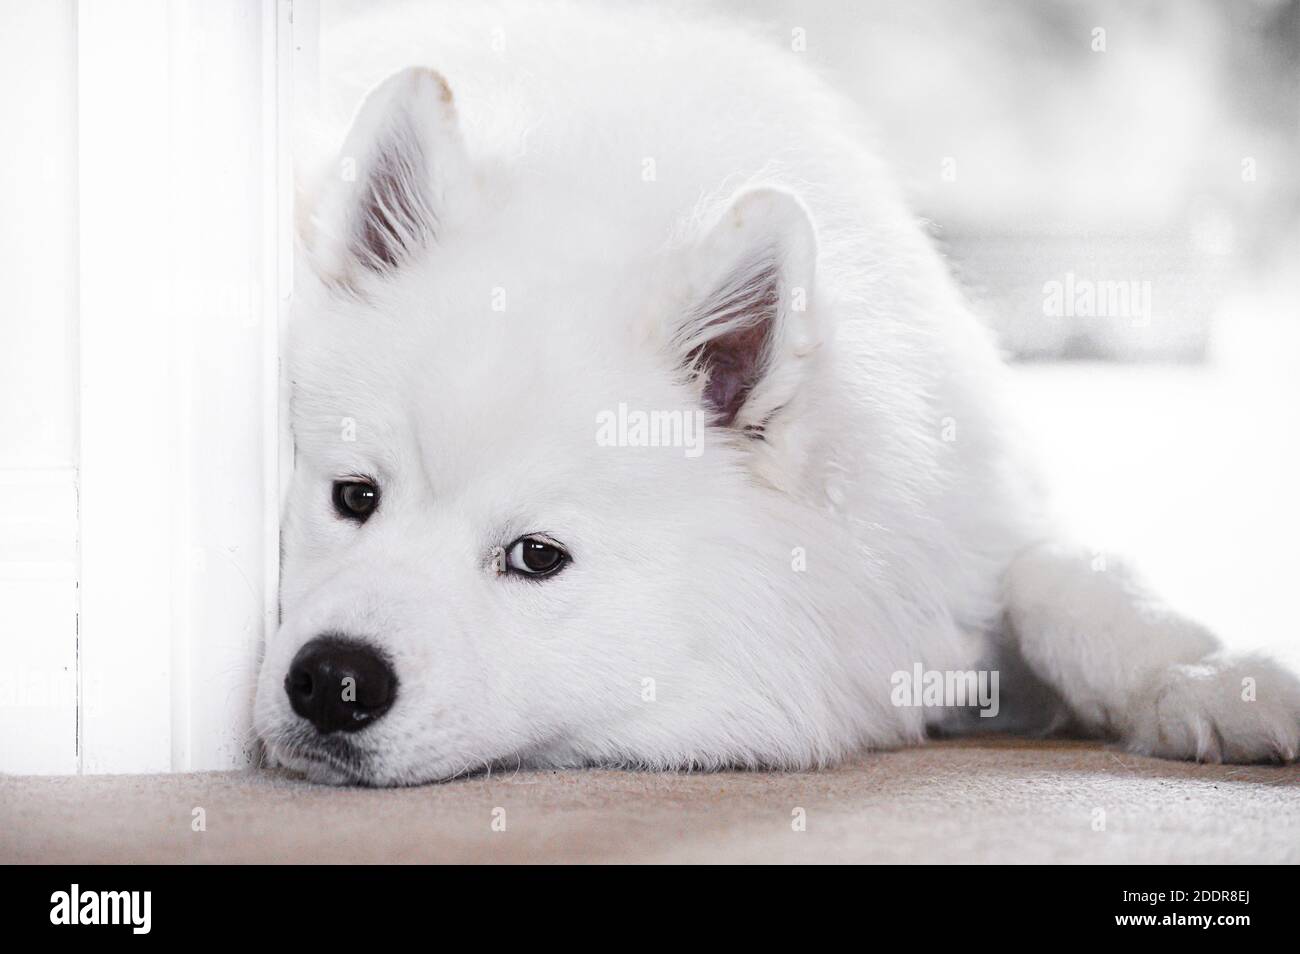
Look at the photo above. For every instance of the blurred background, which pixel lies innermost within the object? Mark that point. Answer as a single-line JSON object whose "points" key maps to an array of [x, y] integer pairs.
{"points": [[1117, 187], [1120, 141]]}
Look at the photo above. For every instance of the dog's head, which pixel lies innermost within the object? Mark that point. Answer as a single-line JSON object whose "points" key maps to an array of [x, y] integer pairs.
{"points": [[537, 511]]}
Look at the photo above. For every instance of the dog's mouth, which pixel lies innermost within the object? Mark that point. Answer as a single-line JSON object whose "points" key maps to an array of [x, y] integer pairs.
{"points": [[324, 759]]}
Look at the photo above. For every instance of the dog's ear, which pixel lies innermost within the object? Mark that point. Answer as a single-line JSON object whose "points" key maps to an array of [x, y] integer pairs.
{"points": [[750, 328], [402, 153]]}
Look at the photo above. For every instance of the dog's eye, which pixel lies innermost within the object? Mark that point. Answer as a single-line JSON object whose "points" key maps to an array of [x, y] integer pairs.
{"points": [[355, 499], [536, 556]]}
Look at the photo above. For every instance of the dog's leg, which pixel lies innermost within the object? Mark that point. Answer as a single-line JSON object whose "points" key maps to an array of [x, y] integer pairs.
{"points": [[1129, 667]]}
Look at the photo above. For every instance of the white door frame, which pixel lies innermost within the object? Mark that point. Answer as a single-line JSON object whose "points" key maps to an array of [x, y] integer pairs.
{"points": [[186, 271], [38, 388]]}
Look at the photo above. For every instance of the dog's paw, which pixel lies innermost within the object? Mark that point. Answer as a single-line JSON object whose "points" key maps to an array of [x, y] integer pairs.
{"points": [[1224, 708]]}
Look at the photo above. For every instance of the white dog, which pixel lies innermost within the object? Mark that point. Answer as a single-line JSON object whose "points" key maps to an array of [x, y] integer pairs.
{"points": [[637, 423]]}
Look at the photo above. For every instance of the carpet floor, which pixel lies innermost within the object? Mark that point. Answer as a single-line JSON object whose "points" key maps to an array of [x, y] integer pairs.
{"points": [[962, 802]]}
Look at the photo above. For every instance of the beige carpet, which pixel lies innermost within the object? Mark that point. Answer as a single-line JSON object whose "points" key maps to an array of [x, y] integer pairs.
{"points": [[963, 802]]}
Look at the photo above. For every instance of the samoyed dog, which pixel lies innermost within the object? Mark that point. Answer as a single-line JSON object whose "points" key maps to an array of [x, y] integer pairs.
{"points": [[637, 423]]}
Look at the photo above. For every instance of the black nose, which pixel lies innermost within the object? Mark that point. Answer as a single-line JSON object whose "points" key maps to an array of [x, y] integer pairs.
{"points": [[340, 685]]}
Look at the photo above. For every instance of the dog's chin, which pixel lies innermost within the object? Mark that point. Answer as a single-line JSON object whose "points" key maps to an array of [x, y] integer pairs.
{"points": [[322, 773], [331, 760], [320, 766]]}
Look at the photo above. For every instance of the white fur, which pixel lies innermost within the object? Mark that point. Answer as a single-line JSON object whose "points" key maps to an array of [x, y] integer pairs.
{"points": [[480, 425]]}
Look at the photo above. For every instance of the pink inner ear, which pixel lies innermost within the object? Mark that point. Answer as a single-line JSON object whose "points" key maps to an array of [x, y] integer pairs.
{"points": [[742, 315], [733, 363], [394, 216]]}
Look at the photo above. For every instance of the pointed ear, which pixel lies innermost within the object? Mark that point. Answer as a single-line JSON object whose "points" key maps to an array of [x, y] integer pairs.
{"points": [[402, 154], [750, 330]]}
